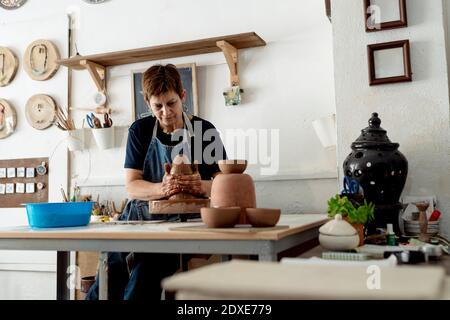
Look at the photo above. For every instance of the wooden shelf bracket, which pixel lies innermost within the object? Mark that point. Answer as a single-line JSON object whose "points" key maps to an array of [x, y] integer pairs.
{"points": [[97, 72], [231, 56]]}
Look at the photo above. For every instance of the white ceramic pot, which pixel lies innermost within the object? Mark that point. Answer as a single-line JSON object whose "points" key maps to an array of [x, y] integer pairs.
{"points": [[75, 139], [339, 242], [104, 137], [338, 234]]}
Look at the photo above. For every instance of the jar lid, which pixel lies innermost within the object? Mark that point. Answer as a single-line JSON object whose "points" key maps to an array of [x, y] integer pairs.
{"points": [[374, 136], [337, 227]]}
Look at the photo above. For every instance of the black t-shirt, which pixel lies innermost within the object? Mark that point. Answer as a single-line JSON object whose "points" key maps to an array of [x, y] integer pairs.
{"points": [[206, 136]]}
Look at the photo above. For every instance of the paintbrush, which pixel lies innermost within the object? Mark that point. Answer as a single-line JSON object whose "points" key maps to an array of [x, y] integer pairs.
{"points": [[63, 193]]}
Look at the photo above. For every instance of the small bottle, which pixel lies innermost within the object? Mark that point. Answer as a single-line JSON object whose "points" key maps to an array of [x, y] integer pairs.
{"points": [[390, 236]]}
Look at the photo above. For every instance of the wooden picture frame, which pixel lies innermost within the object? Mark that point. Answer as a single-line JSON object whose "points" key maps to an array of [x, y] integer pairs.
{"points": [[371, 15], [328, 9], [188, 75], [404, 56]]}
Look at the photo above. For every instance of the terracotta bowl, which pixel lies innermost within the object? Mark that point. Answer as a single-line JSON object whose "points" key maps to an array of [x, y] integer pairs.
{"points": [[226, 217], [258, 217], [232, 166]]}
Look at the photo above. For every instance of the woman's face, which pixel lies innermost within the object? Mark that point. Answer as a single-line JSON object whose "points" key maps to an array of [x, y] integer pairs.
{"points": [[167, 108]]}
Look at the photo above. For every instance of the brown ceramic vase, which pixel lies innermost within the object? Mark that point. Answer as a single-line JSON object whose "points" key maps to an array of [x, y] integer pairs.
{"points": [[234, 190]]}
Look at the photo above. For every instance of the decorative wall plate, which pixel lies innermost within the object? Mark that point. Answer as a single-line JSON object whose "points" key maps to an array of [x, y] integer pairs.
{"points": [[40, 60], [8, 119], [12, 4], [8, 66], [40, 111]]}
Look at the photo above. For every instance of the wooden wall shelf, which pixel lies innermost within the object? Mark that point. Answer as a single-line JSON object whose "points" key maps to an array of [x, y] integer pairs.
{"points": [[188, 48], [96, 64]]}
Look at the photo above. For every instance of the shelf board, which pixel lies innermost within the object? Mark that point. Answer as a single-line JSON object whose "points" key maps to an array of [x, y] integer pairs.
{"points": [[188, 48]]}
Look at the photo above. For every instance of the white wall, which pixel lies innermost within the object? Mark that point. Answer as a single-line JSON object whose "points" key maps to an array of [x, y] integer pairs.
{"points": [[288, 84], [415, 114], [23, 285], [27, 142]]}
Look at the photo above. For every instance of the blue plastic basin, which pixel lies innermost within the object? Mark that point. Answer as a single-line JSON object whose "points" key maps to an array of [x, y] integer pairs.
{"points": [[57, 215]]}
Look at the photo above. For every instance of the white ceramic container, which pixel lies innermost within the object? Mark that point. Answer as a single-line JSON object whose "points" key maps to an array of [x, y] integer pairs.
{"points": [[338, 235]]}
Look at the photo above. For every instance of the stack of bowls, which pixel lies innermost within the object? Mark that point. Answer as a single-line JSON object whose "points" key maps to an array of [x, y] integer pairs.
{"points": [[412, 228]]}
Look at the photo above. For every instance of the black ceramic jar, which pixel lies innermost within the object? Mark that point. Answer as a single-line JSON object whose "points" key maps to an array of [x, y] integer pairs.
{"points": [[381, 169]]}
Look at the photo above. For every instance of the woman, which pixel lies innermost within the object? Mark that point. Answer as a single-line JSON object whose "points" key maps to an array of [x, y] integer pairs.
{"points": [[153, 142]]}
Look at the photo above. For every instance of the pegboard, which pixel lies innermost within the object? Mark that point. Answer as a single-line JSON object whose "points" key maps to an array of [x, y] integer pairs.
{"points": [[15, 200]]}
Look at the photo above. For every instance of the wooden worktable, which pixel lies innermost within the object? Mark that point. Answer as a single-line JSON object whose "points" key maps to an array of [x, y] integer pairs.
{"points": [[151, 230], [292, 231]]}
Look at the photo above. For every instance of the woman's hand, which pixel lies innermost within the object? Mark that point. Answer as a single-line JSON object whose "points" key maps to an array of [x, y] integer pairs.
{"points": [[191, 184], [170, 185]]}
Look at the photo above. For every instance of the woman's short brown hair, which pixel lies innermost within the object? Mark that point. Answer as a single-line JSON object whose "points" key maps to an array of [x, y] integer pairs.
{"points": [[160, 79]]}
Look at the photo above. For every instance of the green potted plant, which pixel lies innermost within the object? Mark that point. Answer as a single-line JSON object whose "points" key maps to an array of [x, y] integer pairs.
{"points": [[357, 215]]}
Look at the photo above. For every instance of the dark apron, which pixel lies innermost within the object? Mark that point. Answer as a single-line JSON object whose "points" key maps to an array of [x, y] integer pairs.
{"points": [[157, 155], [138, 275]]}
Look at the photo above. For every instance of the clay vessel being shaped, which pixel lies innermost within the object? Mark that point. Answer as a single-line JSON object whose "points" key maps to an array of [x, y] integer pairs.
{"points": [[182, 166]]}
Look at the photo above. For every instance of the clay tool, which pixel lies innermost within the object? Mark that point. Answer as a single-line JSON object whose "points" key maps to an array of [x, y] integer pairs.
{"points": [[63, 193]]}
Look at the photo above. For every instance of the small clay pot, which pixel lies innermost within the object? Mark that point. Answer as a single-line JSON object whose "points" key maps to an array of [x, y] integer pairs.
{"points": [[232, 166], [220, 217], [259, 217], [359, 228]]}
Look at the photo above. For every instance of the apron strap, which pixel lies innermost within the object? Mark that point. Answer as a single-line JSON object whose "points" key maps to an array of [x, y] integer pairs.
{"points": [[188, 124], [155, 128]]}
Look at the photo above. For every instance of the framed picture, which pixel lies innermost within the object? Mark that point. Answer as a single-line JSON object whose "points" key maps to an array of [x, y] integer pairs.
{"points": [[189, 80], [389, 62], [385, 14], [328, 9]]}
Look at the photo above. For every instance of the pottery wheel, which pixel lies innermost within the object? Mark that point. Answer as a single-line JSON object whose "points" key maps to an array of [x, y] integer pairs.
{"points": [[182, 206], [8, 119], [8, 66], [40, 111], [40, 60]]}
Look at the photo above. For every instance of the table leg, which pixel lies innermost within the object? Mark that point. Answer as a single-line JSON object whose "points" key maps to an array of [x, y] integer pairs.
{"points": [[184, 258], [268, 257], [62, 264], [103, 276], [225, 257]]}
